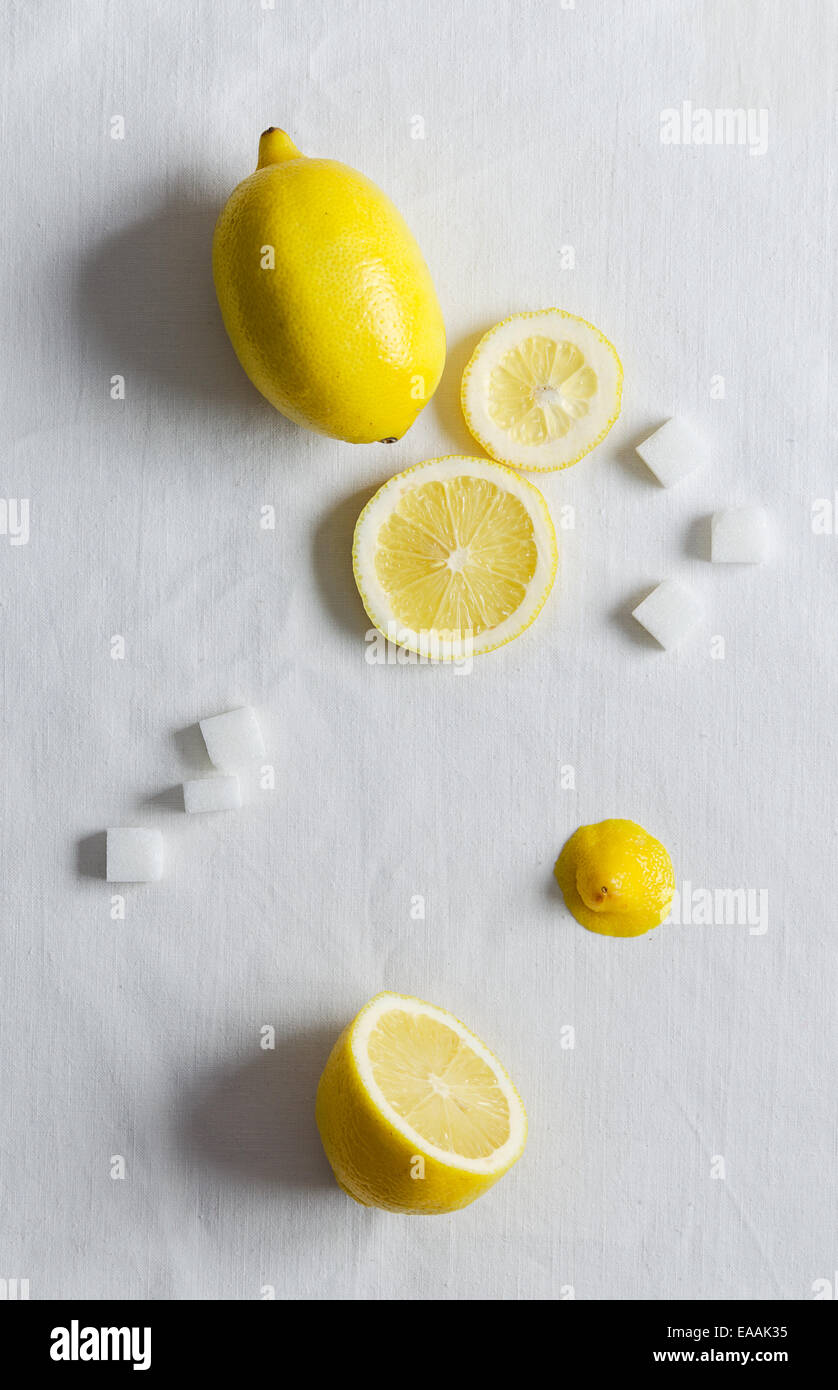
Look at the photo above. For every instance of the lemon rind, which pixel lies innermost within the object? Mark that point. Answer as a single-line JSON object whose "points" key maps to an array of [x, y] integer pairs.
{"points": [[635, 923], [457, 650], [472, 363]]}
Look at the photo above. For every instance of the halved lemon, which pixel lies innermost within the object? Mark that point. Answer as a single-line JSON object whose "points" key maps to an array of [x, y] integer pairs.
{"points": [[414, 1111], [541, 390], [454, 556]]}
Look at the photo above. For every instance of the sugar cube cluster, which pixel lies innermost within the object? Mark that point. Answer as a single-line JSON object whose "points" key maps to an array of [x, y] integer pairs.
{"points": [[738, 535], [134, 854]]}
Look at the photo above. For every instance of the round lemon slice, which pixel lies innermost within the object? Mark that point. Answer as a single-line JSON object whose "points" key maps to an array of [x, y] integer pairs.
{"points": [[454, 556], [541, 390], [414, 1111]]}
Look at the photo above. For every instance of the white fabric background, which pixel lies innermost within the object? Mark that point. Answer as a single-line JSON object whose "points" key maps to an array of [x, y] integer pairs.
{"points": [[141, 1038]]}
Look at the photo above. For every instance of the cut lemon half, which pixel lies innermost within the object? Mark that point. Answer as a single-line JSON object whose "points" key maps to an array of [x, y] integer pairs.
{"points": [[541, 390], [454, 556], [414, 1111]]}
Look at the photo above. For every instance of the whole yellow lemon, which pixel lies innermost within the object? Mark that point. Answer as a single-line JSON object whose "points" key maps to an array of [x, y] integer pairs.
{"points": [[326, 298]]}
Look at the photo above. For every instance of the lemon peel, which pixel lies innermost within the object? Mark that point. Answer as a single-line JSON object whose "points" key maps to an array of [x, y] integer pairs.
{"points": [[325, 296], [616, 878]]}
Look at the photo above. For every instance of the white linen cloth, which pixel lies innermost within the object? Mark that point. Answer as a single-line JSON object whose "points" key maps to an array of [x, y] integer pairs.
{"points": [[684, 1147]]}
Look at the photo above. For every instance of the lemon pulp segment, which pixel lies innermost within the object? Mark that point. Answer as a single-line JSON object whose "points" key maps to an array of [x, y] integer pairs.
{"points": [[457, 556], [438, 1084], [539, 388]]}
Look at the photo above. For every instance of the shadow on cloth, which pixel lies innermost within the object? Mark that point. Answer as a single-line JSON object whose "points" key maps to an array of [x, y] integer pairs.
{"points": [[332, 562], [146, 304], [255, 1120]]}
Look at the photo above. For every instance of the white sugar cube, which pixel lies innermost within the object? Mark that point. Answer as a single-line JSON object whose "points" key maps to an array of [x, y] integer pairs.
{"points": [[673, 451], [233, 738], [134, 855], [669, 613], [212, 794], [739, 536]]}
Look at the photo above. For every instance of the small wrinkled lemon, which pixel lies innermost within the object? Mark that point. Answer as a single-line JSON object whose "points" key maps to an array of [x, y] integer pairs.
{"points": [[616, 878], [415, 1113], [541, 390], [326, 298], [454, 556]]}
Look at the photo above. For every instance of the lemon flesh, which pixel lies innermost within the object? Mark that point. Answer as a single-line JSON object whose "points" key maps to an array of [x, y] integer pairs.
{"points": [[541, 390], [326, 298], [414, 1111], [454, 556], [616, 878]]}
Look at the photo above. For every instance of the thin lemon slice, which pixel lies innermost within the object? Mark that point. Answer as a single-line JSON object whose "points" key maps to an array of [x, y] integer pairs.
{"points": [[541, 390], [415, 1113], [454, 556]]}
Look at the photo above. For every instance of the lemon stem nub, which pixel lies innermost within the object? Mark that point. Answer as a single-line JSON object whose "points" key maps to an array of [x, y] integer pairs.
{"points": [[274, 147]]}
